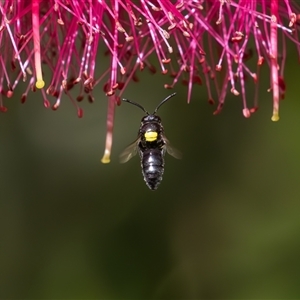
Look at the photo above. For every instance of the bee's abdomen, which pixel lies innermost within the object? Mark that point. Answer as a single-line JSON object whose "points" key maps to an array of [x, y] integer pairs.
{"points": [[152, 167]]}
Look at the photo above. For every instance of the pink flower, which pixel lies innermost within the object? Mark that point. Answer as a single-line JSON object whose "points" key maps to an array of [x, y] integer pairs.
{"points": [[194, 41]]}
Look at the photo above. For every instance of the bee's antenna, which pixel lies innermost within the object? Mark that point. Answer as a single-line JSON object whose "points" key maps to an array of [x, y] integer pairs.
{"points": [[162, 102], [136, 104]]}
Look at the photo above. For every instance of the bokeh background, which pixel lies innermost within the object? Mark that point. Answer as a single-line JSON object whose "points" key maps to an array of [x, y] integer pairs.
{"points": [[223, 224]]}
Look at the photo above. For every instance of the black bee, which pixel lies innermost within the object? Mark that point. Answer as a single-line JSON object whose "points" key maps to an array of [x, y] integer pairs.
{"points": [[152, 145]]}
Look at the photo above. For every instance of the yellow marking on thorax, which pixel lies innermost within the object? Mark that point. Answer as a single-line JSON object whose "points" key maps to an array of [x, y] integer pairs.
{"points": [[151, 136]]}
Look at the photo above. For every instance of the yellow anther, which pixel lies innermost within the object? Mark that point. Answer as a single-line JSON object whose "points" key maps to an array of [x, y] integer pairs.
{"points": [[275, 117], [106, 157], [40, 84]]}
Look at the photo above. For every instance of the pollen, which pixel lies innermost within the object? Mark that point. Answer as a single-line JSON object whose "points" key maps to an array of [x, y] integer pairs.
{"points": [[151, 136]]}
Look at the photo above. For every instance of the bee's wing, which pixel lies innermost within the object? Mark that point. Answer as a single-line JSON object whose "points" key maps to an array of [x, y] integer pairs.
{"points": [[129, 152], [171, 150]]}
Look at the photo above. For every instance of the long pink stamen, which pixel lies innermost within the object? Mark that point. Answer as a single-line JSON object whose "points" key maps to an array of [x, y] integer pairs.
{"points": [[40, 83], [110, 126], [273, 59]]}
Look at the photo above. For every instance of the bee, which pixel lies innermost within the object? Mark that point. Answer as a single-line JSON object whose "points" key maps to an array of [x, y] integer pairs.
{"points": [[151, 144]]}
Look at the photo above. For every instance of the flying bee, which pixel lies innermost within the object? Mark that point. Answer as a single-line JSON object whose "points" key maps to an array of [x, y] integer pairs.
{"points": [[152, 145]]}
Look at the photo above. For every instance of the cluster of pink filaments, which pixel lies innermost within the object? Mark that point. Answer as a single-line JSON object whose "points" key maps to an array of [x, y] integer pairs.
{"points": [[193, 41]]}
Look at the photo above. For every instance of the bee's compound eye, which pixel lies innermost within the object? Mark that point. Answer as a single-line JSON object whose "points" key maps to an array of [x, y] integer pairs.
{"points": [[150, 136]]}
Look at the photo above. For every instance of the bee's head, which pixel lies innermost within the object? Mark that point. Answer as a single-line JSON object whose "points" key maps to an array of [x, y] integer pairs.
{"points": [[151, 118]]}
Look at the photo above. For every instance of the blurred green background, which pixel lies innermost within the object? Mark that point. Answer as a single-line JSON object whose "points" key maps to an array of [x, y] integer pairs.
{"points": [[223, 224]]}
